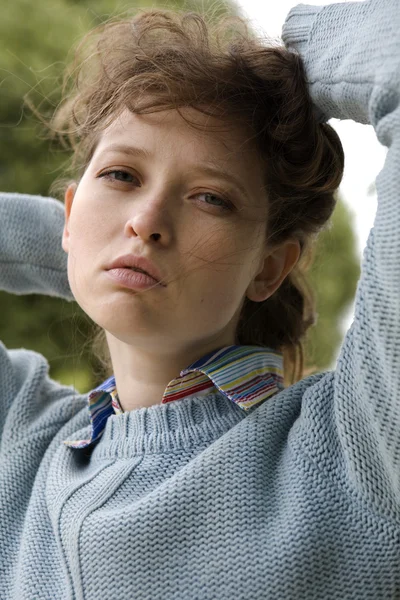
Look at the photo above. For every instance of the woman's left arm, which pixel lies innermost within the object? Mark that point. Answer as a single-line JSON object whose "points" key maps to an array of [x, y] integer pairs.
{"points": [[351, 54]]}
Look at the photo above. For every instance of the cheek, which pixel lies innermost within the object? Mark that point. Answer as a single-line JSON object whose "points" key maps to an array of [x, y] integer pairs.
{"points": [[86, 242], [88, 228], [82, 247], [219, 281], [222, 259]]}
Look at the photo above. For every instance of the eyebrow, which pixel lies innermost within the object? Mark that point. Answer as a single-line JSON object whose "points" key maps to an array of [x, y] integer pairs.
{"points": [[207, 168], [126, 149]]}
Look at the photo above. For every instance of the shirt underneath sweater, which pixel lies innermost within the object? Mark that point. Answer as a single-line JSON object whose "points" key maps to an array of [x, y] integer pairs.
{"points": [[246, 375], [298, 498]]}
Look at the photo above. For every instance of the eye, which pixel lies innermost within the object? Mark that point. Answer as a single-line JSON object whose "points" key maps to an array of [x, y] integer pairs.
{"points": [[124, 174], [216, 201]]}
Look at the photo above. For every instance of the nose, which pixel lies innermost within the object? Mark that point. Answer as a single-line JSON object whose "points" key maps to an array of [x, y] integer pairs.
{"points": [[150, 221]]}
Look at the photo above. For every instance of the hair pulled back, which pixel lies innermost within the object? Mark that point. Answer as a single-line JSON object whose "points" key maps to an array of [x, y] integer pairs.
{"points": [[159, 60]]}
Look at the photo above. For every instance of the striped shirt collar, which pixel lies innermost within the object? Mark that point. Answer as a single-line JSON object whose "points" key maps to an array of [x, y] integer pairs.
{"points": [[247, 375]]}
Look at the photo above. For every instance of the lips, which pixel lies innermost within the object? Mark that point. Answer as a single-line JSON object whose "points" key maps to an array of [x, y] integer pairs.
{"points": [[132, 261]]}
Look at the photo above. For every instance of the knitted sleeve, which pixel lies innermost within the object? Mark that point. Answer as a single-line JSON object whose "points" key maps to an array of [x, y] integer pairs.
{"points": [[32, 261], [351, 54], [31, 256]]}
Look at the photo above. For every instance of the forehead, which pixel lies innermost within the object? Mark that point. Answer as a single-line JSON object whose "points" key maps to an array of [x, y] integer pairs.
{"points": [[191, 134]]}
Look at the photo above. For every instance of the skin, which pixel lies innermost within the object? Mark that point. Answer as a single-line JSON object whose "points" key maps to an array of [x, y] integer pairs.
{"points": [[210, 257]]}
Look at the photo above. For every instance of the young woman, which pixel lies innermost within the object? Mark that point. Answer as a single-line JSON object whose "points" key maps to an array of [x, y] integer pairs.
{"points": [[203, 169]]}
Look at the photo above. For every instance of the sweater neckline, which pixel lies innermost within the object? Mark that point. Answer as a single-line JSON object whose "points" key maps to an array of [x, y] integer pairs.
{"points": [[246, 375], [170, 427]]}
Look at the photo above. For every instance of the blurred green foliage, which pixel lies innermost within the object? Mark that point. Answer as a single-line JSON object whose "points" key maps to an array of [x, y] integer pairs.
{"points": [[334, 276], [37, 38]]}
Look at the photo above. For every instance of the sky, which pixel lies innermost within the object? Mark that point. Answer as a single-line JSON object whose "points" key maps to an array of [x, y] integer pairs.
{"points": [[364, 155]]}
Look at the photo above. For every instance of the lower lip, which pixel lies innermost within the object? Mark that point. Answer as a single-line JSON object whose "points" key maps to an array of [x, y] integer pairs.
{"points": [[133, 279]]}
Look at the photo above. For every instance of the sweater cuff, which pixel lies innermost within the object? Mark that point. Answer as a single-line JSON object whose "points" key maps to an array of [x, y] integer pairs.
{"points": [[295, 35], [297, 26]]}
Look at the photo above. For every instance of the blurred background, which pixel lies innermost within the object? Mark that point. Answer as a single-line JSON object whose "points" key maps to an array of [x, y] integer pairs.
{"points": [[36, 46]]}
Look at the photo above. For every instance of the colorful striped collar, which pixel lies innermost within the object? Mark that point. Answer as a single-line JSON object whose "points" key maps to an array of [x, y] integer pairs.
{"points": [[247, 375]]}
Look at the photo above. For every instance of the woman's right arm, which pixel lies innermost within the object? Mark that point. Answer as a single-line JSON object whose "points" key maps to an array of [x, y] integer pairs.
{"points": [[32, 260]]}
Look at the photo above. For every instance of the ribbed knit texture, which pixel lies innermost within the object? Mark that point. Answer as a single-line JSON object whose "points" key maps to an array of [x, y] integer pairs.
{"points": [[193, 499]]}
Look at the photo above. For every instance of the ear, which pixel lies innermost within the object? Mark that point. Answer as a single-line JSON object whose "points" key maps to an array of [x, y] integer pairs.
{"points": [[68, 199], [275, 267]]}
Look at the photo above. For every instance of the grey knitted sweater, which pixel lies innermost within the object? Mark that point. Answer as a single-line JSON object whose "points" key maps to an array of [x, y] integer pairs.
{"points": [[194, 500]]}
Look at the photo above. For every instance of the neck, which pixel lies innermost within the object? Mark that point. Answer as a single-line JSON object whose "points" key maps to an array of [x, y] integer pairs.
{"points": [[141, 376]]}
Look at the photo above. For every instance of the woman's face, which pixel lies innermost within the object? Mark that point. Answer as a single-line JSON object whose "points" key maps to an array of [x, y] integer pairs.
{"points": [[202, 194]]}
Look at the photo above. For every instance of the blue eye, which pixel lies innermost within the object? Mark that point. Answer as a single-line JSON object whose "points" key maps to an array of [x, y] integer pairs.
{"points": [[108, 174], [222, 203]]}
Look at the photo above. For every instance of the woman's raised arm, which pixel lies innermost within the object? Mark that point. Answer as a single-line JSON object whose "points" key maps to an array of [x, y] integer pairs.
{"points": [[351, 53], [31, 257], [32, 261]]}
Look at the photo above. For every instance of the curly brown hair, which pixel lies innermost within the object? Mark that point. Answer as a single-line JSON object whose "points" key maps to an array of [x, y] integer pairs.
{"points": [[161, 59]]}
